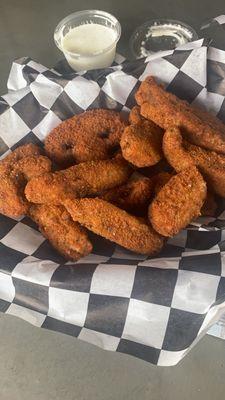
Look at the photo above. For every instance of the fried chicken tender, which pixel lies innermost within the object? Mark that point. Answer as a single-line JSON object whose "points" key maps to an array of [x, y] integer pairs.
{"points": [[115, 224], [141, 141], [178, 202], [174, 151], [92, 135], [15, 170], [210, 205], [140, 146], [211, 165], [182, 154], [12, 202], [30, 167], [103, 174], [67, 236], [133, 197], [135, 116], [19, 153], [52, 188], [166, 110], [81, 180]]}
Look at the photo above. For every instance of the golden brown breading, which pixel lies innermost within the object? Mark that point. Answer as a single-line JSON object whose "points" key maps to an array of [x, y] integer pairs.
{"points": [[141, 142], [78, 181], [135, 116], [20, 152], [182, 154], [178, 202], [133, 197], [166, 110], [211, 165], [214, 122], [56, 224], [13, 181], [52, 188], [101, 175], [92, 135], [140, 146], [174, 151], [12, 202], [115, 224], [210, 205], [30, 167]]}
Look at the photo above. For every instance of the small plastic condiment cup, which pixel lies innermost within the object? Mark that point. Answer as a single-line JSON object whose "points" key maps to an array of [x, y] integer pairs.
{"points": [[159, 35], [101, 59]]}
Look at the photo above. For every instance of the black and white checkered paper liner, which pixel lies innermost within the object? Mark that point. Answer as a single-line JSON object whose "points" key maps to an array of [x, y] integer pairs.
{"points": [[214, 22], [154, 308]]}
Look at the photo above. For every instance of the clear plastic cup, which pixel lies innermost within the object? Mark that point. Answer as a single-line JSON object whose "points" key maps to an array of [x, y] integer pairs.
{"points": [[81, 61], [159, 35]]}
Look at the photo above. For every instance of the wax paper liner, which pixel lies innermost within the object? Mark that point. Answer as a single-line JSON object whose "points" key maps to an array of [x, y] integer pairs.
{"points": [[154, 308]]}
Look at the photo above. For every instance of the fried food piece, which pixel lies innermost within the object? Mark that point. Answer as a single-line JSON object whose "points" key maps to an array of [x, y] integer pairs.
{"points": [[182, 154], [214, 122], [210, 205], [103, 174], [19, 153], [160, 180], [53, 188], [181, 159], [174, 151], [178, 202], [81, 180], [30, 167], [141, 142], [133, 197], [115, 224], [92, 135], [140, 146], [211, 165], [12, 202], [135, 116], [67, 236], [166, 110], [14, 178]]}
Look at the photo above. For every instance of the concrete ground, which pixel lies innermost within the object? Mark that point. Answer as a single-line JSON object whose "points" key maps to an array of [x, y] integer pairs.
{"points": [[40, 365]]}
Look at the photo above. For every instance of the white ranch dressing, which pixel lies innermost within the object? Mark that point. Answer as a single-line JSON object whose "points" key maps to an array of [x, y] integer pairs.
{"points": [[85, 46]]}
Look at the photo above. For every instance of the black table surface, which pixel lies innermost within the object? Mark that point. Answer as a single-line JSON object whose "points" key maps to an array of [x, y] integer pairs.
{"points": [[27, 26]]}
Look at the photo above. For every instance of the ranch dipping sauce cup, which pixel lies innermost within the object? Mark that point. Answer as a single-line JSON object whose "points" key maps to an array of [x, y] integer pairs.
{"points": [[88, 39]]}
